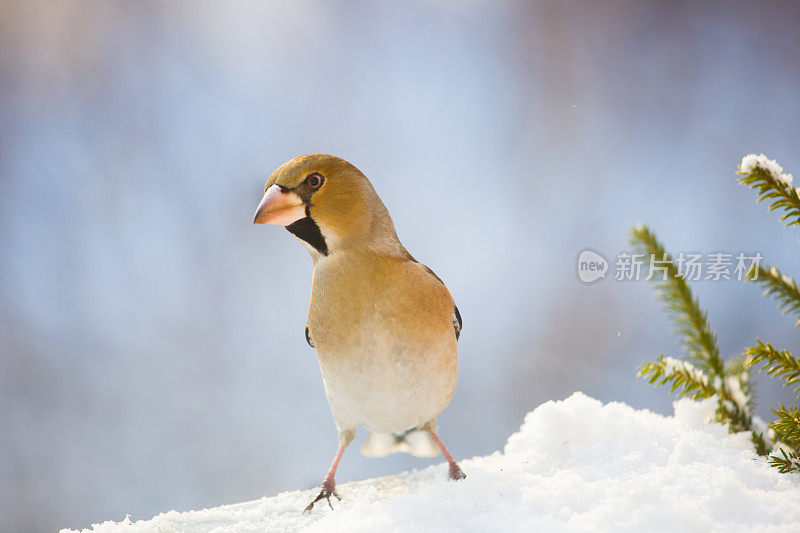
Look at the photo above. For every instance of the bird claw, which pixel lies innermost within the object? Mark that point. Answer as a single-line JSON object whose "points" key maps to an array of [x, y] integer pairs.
{"points": [[328, 490], [456, 473]]}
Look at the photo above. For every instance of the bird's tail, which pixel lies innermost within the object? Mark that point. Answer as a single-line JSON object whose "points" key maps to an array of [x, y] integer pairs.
{"points": [[414, 441]]}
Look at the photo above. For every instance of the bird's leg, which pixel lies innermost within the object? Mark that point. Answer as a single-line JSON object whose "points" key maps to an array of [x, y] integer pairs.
{"points": [[328, 484], [455, 471]]}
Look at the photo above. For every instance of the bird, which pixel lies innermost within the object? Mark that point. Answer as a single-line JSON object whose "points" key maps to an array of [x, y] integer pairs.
{"points": [[384, 326]]}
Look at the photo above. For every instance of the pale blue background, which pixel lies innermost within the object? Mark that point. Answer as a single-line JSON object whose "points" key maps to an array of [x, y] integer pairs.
{"points": [[152, 339]]}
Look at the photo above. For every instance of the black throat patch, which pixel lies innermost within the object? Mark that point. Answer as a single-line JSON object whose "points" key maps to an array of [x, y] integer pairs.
{"points": [[307, 229]]}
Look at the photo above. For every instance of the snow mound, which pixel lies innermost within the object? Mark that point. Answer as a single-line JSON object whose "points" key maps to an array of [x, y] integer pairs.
{"points": [[574, 465]]}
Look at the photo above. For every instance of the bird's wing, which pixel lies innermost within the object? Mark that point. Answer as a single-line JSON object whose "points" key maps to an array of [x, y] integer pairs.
{"points": [[456, 314], [456, 321], [311, 342]]}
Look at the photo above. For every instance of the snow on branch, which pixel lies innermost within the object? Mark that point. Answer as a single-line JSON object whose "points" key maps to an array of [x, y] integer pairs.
{"points": [[766, 176], [682, 376], [785, 462]]}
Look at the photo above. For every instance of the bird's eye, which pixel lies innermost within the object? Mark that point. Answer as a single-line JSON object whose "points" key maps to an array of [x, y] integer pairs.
{"points": [[314, 180]]}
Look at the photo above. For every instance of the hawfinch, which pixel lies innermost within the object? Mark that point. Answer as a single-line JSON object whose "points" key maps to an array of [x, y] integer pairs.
{"points": [[384, 325]]}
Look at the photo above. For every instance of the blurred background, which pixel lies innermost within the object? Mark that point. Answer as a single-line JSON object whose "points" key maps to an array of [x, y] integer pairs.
{"points": [[152, 350]]}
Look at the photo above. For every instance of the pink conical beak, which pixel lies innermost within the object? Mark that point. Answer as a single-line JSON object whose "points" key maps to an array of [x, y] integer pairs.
{"points": [[279, 207]]}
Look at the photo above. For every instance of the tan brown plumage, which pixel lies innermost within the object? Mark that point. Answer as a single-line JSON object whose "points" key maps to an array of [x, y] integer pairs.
{"points": [[384, 326]]}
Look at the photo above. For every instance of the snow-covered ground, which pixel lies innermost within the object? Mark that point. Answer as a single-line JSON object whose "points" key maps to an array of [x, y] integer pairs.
{"points": [[574, 465]]}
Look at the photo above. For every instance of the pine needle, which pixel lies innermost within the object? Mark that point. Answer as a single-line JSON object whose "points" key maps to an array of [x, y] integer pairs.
{"points": [[708, 376], [682, 377], [787, 426], [777, 363], [781, 287], [780, 193], [690, 319], [786, 462]]}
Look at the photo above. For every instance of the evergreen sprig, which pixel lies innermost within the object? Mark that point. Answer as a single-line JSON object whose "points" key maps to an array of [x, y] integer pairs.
{"points": [[770, 187], [762, 445], [788, 425], [779, 286], [691, 321], [776, 363], [786, 462], [682, 376], [709, 376], [773, 185]]}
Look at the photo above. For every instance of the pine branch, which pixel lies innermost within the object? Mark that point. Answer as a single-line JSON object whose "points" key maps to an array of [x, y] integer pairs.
{"points": [[780, 287], [781, 364], [786, 462], [682, 376], [733, 393], [709, 376], [766, 177], [777, 363], [761, 444], [690, 319], [738, 369], [736, 415], [787, 426]]}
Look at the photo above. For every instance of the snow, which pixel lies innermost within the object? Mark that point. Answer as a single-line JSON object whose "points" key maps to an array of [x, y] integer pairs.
{"points": [[736, 393], [751, 161], [574, 465], [672, 366]]}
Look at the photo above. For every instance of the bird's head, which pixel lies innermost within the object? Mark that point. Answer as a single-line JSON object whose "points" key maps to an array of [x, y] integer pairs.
{"points": [[328, 204]]}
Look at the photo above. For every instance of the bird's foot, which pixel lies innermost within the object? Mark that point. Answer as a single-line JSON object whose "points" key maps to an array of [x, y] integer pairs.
{"points": [[455, 472], [328, 490]]}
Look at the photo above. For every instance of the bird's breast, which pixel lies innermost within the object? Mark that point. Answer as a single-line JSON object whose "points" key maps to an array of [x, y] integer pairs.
{"points": [[386, 347]]}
